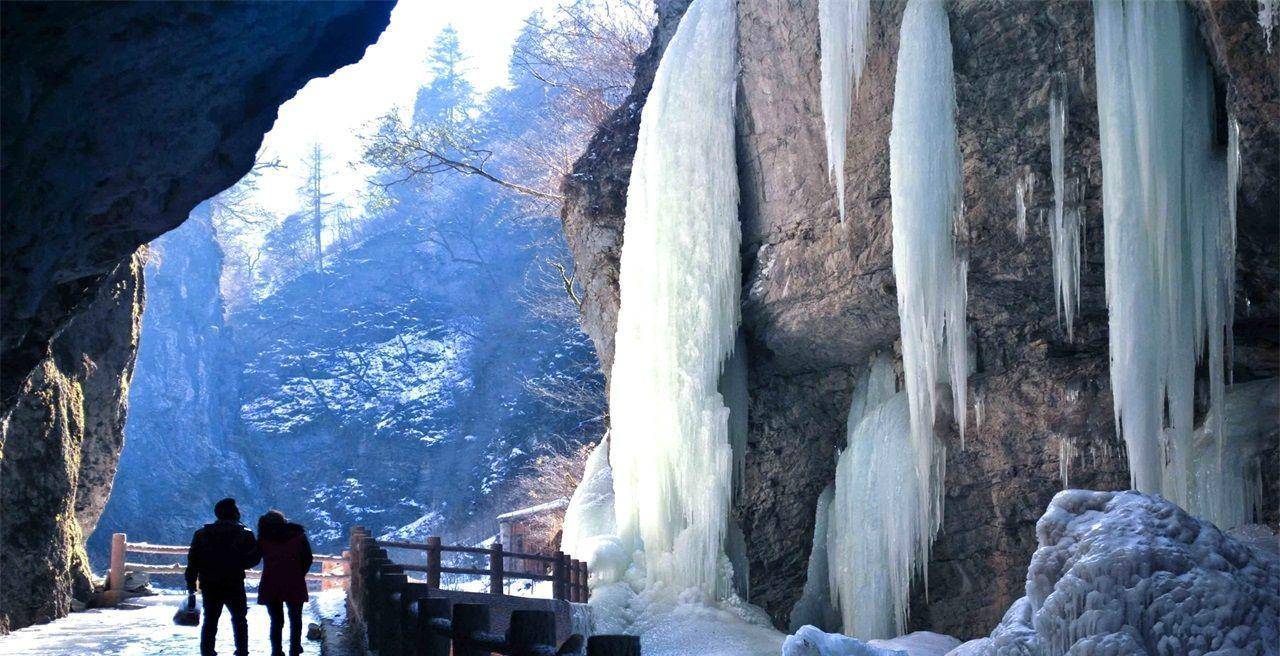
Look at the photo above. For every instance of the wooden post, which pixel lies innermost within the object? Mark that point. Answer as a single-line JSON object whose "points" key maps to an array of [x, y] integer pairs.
{"points": [[430, 641], [495, 568], [531, 628], [433, 562], [584, 575], [468, 621], [579, 585], [559, 576], [115, 578], [613, 645]]}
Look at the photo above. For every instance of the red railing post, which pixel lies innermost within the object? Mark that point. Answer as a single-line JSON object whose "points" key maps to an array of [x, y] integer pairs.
{"points": [[495, 568]]}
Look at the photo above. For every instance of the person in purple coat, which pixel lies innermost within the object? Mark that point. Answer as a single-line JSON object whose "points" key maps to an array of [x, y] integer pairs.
{"points": [[286, 557]]}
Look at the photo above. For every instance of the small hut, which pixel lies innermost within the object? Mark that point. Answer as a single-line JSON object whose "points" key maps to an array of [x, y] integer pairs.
{"points": [[534, 530]]}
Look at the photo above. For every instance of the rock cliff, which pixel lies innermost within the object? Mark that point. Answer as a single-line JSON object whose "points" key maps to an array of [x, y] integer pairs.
{"points": [[117, 120], [819, 295], [60, 446], [183, 410]]}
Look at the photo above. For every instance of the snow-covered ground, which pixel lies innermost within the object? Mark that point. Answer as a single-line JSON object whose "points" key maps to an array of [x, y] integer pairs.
{"points": [[147, 629]]}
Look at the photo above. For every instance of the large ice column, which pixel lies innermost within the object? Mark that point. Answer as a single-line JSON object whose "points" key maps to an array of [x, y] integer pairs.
{"points": [[1169, 233], [876, 535], [679, 282], [842, 33], [924, 186], [1064, 234]]}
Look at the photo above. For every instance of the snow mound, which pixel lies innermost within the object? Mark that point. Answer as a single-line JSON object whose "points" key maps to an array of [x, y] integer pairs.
{"points": [[1127, 573], [811, 641]]}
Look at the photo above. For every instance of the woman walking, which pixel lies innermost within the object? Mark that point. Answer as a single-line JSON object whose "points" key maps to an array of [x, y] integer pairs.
{"points": [[286, 557]]}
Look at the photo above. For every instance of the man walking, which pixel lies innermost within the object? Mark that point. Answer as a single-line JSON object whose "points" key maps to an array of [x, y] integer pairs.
{"points": [[219, 554]]}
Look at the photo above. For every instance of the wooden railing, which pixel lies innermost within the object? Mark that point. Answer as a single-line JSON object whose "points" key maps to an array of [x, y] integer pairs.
{"points": [[568, 576], [333, 569], [402, 618]]}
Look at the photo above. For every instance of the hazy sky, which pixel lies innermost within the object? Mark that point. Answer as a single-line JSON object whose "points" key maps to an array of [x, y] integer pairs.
{"points": [[336, 109]]}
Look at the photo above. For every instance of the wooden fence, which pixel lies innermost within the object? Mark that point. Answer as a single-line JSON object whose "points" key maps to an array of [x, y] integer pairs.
{"points": [[333, 569], [402, 618], [568, 576]]}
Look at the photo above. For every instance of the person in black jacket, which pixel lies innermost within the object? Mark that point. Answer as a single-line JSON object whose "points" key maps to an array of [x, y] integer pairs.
{"points": [[219, 554]]}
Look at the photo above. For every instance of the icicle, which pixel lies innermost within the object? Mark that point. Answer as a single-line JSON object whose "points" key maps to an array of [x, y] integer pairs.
{"points": [[1268, 16], [876, 536], [924, 186], [1064, 234], [1066, 451], [842, 33], [679, 281], [814, 606], [1169, 233], [1022, 192]]}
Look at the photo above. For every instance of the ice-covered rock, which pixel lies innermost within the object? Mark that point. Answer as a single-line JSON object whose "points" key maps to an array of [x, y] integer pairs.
{"points": [[1127, 573]]}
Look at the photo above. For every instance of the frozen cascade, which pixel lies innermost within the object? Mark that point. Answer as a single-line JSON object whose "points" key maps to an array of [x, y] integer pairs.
{"points": [[1169, 234], [814, 606], [679, 281], [877, 537], [1226, 484], [924, 187], [842, 33], [589, 529], [1064, 234]]}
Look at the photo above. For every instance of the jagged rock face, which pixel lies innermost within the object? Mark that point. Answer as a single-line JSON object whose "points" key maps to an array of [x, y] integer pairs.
{"points": [[119, 118], [819, 295], [60, 445], [183, 401]]}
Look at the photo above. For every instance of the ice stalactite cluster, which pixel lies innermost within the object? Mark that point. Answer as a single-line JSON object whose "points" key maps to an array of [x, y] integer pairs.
{"points": [[842, 31], [877, 536], [1169, 234], [814, 607], [1065, 232], [1126, 573], [679, 280]]}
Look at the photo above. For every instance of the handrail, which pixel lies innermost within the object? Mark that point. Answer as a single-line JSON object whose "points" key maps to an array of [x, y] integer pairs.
{"points": [[399, 617], [568, 576], [421, 546], [333, 568]]}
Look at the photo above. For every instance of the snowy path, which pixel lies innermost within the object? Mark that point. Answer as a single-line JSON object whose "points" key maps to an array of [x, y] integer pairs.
{"points": [[150, 630]]}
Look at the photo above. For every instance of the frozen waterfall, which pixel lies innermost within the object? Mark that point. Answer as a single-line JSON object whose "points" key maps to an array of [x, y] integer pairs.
{"points": [[1169, 228], [876, 535], [924, 186], [814, 606], [842, 34], [1064, 234], [679, 280]]}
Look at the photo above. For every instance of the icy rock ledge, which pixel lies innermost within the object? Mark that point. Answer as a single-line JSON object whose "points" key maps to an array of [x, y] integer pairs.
{"points": [[1127, 573]]}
